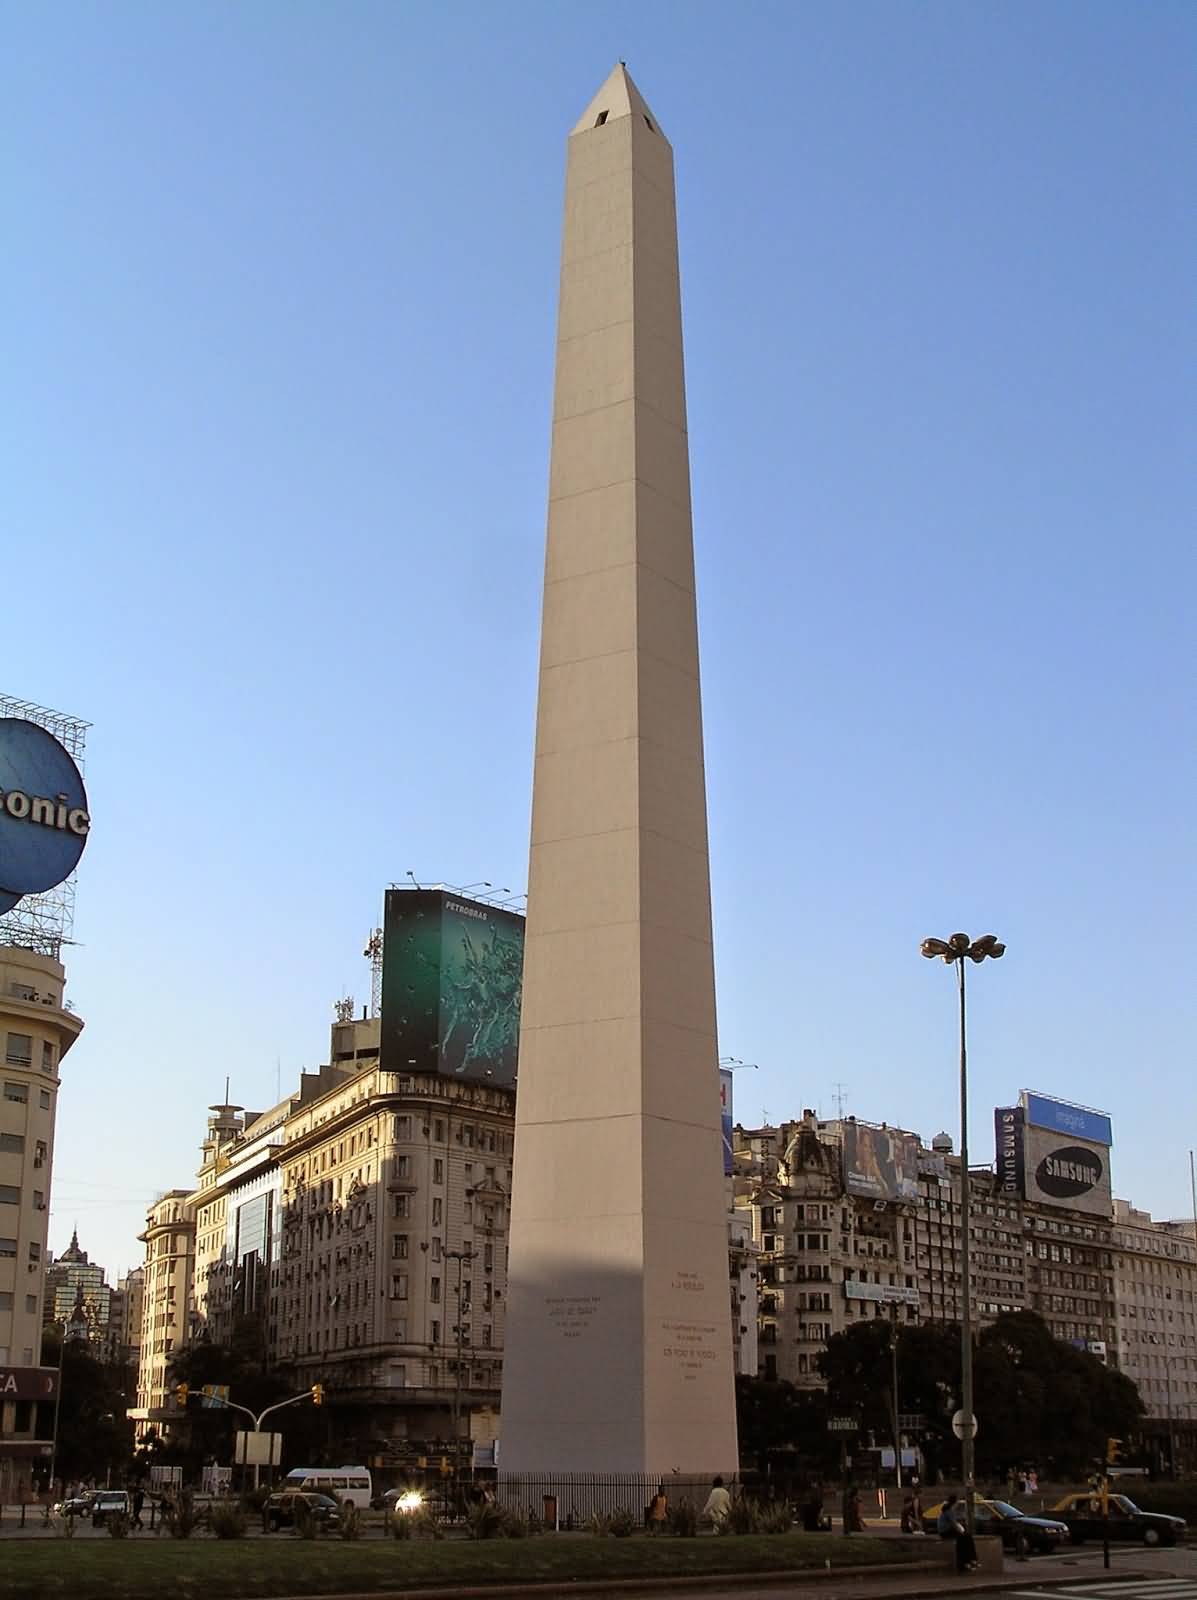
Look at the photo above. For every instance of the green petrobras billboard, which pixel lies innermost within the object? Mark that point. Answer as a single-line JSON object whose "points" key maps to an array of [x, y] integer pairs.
{"points": [[451, 975]]}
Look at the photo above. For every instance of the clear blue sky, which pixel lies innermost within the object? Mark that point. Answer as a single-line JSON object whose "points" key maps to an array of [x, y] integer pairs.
{"points": [[279, 293]]}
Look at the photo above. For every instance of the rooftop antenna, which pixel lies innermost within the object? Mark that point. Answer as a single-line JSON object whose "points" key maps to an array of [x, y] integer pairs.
{"points": [[841, 1099], [226, 1090], [412, 876], [373, 954]]}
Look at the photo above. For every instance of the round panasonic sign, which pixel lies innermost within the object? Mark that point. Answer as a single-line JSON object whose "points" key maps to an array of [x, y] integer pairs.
{"points": [[44, 821], [1069, 1171]]}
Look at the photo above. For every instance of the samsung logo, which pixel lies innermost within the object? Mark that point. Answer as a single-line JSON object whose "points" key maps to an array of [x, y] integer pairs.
{"points": [[1069, 1172], [57, 813]]}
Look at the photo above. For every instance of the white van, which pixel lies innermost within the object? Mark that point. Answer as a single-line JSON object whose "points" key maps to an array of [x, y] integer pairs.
{"points": [[346, 1483]]}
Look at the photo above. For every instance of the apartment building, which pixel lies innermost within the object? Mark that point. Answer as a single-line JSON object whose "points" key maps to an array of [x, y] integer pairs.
{"points": [[1155, 1296], [829, 1257], [169, 1240], [123, 1346], [37, 1028], [77, 1290]]}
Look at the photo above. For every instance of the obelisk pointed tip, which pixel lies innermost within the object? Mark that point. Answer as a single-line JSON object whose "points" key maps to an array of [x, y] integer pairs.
{"points": [[618, 97]]}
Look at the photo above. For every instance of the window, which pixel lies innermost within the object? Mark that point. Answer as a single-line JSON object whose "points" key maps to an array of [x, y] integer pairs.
{"points": [[438, 1170], [403, 1166], [8, 1247], [434, 1291], [434, 1335], [399, 1286], [399, 1247], [400, 1205], [44, 1099], [47, 1056], [18, 1093], [12, 1144], [438, 1131], [31, 1304], [402, 1127], [5, 1300], [486, 1334], [19, 1051], [10, 1195], [438, 1208]]}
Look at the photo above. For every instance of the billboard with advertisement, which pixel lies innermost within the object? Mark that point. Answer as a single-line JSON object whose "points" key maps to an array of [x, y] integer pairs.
{"points": [[725, 1119], [1008, 1149], [1061, 1170], [44, 820], [1059, 1116], [452, 971], [880, 1163]]}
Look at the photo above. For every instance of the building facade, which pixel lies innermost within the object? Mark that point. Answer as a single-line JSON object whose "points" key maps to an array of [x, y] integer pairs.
{"points": [[1155, 1296], [77, 1290], [167, 1293], [829, 1257], [37, 1028]]}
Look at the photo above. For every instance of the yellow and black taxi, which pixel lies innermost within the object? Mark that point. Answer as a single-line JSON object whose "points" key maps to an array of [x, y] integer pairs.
{"points": [[1017, 1531], [1083, 1514]]}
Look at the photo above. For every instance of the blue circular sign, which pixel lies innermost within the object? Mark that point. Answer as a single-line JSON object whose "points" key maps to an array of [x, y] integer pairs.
{"points": [[44, 821]]}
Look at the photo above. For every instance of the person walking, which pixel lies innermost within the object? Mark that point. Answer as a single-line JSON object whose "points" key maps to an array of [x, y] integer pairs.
{"points": [[950, 1524], [658, 1511], [137, 1502], [717, 1506]]}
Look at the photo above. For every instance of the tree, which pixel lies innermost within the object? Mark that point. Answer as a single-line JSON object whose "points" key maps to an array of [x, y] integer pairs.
{"points": [[775, 1420], [93, 1433]]}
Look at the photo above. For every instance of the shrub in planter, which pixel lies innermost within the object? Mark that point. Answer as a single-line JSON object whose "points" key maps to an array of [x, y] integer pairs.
{"points": [[599, 1525], [622, 1522], [485, 1520], [742, 1517], [683, 1518], [227, 1521], [117, 1525]]}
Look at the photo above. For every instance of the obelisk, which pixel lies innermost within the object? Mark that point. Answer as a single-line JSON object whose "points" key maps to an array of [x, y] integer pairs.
{"points": [[617, 1346]]}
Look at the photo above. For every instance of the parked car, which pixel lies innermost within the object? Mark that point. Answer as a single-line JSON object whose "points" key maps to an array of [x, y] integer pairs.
{"points": [[405, 1500], [1027, 1535], [1082, 1513], [78, 1505], [279, 1510], [107, 1503]]}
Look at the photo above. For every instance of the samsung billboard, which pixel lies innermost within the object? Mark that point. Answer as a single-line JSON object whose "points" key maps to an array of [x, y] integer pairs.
{"points": [[452, 973], [1053, 1153]]}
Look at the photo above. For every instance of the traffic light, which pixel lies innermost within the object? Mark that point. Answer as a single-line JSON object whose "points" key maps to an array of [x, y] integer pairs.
{"points": [[181, 1392], [1113, 1451], [318, 1394]]}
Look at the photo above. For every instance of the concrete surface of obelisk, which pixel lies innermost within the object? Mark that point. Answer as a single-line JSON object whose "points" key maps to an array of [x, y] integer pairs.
{"points": [[617, 1345]]}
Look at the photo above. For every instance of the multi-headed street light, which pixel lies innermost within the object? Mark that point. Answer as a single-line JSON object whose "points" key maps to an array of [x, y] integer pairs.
{"points": [[955, 951]]}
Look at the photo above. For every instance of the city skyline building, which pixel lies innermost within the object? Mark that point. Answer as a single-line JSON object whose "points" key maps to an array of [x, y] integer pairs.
{"points": [[619, 1355]]}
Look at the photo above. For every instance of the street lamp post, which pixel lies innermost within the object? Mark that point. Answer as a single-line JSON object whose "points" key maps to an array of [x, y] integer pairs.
{"points": [[1167, 1360], [459, 1330], [955, 951], [893, 1340]]}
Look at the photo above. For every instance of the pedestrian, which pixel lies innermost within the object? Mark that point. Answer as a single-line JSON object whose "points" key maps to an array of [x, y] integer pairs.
{"points": [[658, 1510], [138, 1502], [718, 1505], [812, 1510], [1032, 1482], [950, 1524]]}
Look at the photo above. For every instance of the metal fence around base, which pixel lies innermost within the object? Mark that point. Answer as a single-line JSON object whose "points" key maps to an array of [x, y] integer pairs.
{"points": [[568, 1500]]}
